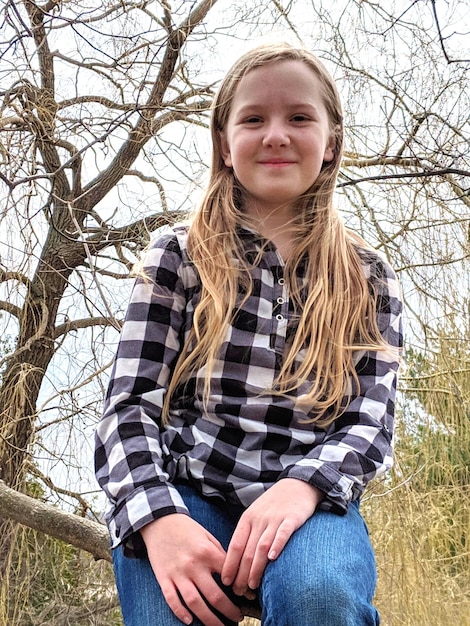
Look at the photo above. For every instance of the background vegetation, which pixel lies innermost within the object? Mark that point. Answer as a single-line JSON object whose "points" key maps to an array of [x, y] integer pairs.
{"points": [[103, 116]]}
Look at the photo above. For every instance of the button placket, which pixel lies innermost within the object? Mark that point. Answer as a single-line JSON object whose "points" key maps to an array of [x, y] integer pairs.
{"points": [[280, 308], [280, 305]]}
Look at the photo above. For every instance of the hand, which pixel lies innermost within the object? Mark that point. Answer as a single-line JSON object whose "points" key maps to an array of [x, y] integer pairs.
{"points": [[184, 557], [264, 529]]}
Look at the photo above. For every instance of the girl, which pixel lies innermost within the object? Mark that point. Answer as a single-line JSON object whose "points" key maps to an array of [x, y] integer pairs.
{"points": [[252, 396]]}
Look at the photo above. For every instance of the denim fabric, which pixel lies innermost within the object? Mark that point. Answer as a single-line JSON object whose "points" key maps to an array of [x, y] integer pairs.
{"points": [[325, 576]]}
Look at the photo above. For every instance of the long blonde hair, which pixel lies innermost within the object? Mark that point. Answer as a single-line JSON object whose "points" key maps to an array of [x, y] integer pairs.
{"points": [[338, 316]]}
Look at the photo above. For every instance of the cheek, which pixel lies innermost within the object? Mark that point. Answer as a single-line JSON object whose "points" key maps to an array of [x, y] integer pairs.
{"points": [[240, 150], [234, 152]]}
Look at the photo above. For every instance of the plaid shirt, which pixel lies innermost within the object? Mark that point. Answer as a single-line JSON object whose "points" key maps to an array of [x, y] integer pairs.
{"points": [[246, 439]]}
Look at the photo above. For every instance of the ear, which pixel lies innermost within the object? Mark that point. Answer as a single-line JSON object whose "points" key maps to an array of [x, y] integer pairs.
{"points": [[225, 150], [329, 153]]}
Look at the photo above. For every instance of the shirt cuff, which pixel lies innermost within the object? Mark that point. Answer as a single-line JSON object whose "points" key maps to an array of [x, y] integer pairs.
{"points": [[339, 490], [144, 505]]}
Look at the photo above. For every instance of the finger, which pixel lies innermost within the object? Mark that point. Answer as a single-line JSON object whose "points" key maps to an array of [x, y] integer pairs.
{"points": [[173, 600], [250, 594], [216, 543], [235, 553], [240, 584], [283, 534], [203, 598], [254, 561], [217, 599], [269, 546]]}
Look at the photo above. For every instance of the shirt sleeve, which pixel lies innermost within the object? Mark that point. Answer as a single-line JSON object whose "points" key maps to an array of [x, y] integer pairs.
{"points": [[129, 457], [358, 445]]}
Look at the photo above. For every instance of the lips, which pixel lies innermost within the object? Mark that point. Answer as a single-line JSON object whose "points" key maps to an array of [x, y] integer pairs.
{"points": [[276, 162]]}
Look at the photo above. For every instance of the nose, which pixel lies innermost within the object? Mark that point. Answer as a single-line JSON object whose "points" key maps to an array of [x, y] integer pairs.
{"points": [[276, 134]]}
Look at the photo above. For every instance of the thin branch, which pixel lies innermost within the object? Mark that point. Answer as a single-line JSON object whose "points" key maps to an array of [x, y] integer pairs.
{"points": [[84, 505], [423, 174], [106, 237], [89, 322], [102, 100], [441, 38], [146, 126]]}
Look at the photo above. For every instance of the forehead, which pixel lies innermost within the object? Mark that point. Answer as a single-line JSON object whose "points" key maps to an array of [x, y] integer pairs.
{"points": [[279, 81]]}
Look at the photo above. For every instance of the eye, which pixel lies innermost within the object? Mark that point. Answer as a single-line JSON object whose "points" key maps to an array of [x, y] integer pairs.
{"points": [[253, 119], [300, 118]]}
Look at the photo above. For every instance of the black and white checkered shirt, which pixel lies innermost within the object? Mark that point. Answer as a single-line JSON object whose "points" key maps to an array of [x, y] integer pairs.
{"points": [[246, 440]]}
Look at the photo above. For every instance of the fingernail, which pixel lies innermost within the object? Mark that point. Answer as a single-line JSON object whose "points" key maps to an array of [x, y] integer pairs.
{"points": [[188, 620]]}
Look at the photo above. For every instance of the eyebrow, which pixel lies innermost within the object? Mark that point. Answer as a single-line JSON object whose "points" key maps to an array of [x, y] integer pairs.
{"points": [[294, 107]]}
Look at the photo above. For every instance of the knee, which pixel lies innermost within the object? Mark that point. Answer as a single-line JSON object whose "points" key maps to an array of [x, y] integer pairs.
{"points": [[328, 598], [323, 594]]}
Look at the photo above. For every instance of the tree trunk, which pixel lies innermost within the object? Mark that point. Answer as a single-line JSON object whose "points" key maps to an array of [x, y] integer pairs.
{"points": [[25, 372]]}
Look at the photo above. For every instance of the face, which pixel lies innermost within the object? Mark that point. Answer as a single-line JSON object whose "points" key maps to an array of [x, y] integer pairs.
{"points": [[277, 136]]}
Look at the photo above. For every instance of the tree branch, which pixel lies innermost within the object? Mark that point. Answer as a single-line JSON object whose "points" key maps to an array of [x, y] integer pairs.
{"points": [[87, 322], [441, 38], [8, 307], [423, 174], [18, 276], [77, 531], [145, 127], [111, 236]]}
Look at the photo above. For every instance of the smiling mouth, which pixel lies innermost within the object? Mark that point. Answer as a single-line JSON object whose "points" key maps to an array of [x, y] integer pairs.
{"points": [[276, 163]]}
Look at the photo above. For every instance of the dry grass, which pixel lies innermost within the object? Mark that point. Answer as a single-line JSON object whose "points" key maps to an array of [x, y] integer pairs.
{"points": [[420, 520], [53, 584], [422, 556]]}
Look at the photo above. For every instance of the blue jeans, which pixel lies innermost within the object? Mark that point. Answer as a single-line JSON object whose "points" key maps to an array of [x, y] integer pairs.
{"points": [[325, 576]]}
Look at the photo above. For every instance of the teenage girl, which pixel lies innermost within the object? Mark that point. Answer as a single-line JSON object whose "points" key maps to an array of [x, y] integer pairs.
{"points": [[252, 395]]}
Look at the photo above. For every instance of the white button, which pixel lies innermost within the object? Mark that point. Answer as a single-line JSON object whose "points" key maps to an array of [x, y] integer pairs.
{"points": [[280, 300], [281, 281], [279, 318]]}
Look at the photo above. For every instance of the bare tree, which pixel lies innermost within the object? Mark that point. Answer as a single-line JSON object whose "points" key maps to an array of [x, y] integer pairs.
{"points": [[138, 85], [102, 117]]}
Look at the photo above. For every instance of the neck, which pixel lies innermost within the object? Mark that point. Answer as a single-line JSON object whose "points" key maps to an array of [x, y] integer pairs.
{"points": [[277, 225]]}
